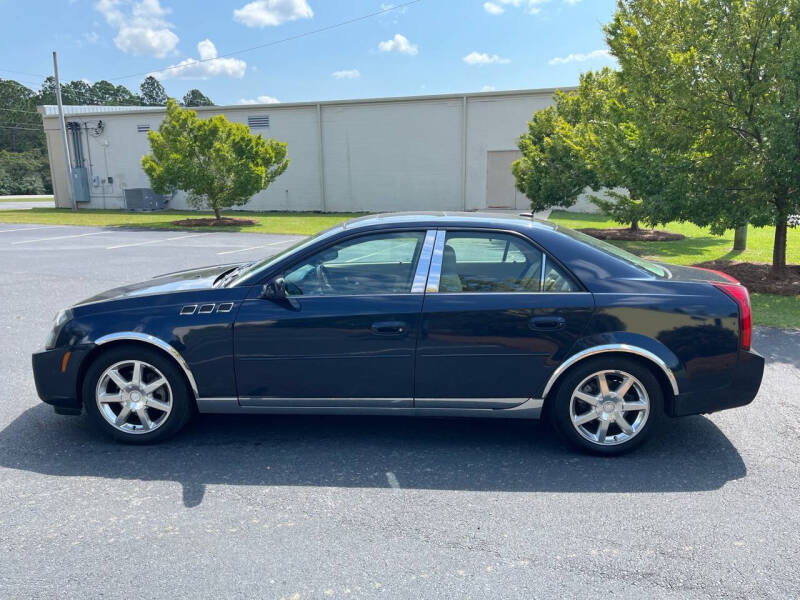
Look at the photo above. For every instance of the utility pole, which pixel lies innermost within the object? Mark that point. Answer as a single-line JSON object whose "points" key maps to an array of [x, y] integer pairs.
{"points": [[63, 125]]}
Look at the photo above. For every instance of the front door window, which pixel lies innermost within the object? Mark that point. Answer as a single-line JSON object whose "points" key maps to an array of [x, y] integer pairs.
{"points": [[373, 264]]}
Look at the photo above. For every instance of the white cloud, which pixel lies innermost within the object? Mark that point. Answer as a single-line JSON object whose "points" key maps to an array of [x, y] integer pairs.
{"points": [[141, 26], [534, 6], [260, 100], [399, 43], [497, 7], [346, 74], [91, 37], [207, 66], [580, 57], [481, 58], [390, 6], [488, 88], [493, 9], [270, 13]]}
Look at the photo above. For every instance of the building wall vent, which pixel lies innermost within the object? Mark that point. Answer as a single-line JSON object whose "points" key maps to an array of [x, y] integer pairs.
{"points": [[258, 122], [142, 128]]}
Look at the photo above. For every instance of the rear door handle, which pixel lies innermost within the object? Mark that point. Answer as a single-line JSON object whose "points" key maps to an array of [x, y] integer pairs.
{"points": [[389, 328], [546, 323]]}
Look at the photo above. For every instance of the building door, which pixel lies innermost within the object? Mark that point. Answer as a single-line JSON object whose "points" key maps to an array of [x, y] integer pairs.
{"points": [[501, 191]]}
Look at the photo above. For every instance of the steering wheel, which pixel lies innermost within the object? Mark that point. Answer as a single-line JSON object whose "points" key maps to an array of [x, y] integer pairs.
{"points": [[322, 279]]}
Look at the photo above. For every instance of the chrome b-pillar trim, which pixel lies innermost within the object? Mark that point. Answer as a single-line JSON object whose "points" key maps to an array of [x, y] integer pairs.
{"points": [[153, 341], [435, 273], [612, 348], [424, 263]]}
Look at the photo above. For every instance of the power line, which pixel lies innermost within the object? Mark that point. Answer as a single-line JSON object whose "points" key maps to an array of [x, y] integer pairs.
{"points": [[24, 72], [275, 42], [20, 128], [32, 112]]}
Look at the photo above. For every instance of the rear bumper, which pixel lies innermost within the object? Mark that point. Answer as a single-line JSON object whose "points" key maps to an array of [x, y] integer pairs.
{"points": [[56, 378], [742, 391]]}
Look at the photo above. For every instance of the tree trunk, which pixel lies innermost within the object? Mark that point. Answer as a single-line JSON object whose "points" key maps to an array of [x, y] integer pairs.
{"points": [[740, 239], [635, 226], [779, 249], [217, 213]]}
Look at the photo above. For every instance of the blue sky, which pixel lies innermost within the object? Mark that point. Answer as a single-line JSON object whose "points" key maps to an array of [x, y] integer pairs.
{"points": [[428, 47]]}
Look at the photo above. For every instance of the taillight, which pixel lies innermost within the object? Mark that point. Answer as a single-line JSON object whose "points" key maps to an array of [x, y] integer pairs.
{"points": [[738, 293]]}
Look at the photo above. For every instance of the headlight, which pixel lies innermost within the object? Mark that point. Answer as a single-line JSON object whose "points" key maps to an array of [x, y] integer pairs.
{"points": [[62, 318]]}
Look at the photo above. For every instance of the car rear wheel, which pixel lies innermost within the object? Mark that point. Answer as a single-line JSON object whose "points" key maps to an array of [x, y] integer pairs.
{"points": [[608, 405], [136, 395]]}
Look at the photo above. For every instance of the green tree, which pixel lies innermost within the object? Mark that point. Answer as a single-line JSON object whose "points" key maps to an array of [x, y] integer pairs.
{"points": [[20, 124], [588, 139], [101, 93], [552, 171], [195, 97], [218, 163], [153, 93], [718, 83]]}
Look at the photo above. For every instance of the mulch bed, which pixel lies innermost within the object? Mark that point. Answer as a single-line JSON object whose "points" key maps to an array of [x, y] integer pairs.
{"points": [[756, 277], [211, 222], [628, 235]]}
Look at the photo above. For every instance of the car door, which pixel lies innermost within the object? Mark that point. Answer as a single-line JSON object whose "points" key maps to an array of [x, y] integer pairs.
{"points": [[345, 333], [498, 317]]}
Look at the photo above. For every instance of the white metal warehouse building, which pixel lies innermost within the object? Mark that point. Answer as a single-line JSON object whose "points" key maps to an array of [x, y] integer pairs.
{"points": [[447, 152]]}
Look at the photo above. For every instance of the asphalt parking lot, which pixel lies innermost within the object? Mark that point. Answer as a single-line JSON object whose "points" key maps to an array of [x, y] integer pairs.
{"points": [[319, 507]]}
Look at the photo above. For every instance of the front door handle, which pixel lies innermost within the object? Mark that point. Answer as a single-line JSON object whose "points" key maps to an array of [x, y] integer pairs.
{"points": [[546, 323], [389, 328]]}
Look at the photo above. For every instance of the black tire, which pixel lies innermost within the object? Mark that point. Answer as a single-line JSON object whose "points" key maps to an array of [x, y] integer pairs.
{"points": [[560, 404], [182, 400]]}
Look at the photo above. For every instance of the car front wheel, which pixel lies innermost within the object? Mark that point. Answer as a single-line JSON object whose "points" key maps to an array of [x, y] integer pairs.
{"points": [[136, 395], [608, 405]]}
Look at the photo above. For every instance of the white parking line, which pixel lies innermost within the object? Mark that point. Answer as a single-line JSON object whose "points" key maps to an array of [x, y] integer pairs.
{"points": [[32, 228], [179, 237], [59, 237], [255, 247], [392, 479]]}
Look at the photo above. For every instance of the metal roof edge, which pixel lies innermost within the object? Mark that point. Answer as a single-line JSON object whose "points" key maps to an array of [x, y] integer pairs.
{"points": [[131, 110]]}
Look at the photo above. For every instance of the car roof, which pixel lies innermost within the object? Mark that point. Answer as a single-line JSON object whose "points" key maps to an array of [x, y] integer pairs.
{"points": [[448, 218]]}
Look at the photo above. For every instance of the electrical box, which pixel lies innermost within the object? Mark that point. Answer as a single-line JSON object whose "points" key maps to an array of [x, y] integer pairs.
{"points": [[144, 199], [80, 184]]}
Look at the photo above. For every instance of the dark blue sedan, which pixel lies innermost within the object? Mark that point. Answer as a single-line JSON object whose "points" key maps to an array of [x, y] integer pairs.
{"points": [[441, 314]]}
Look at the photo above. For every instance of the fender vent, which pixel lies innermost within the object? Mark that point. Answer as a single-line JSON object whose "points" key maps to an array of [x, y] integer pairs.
{"points": [[206, 309], [189, 309], [225, 307]]}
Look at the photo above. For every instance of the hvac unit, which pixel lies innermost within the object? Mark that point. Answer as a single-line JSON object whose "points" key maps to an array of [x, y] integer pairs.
{"points": [[144, 199]]}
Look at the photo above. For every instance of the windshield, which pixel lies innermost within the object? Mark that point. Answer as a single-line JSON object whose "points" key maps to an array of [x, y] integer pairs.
{"points": [[647, 265], [251, 271]]}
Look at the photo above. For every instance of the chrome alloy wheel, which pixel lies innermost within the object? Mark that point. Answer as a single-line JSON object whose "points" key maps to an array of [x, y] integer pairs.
{"points": [[134, 396], [609, 407]]}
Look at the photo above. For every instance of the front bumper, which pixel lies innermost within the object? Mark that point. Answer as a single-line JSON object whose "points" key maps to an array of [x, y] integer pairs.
{"points": [[742, 391], [57, 378]]}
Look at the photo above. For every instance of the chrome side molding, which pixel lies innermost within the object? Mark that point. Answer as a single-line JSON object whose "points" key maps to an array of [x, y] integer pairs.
{"points": [[605, 348], [153, 341], [529, 409]]}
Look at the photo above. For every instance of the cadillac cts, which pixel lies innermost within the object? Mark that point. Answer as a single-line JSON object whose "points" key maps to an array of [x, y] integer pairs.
{"points": [[442, 314]]}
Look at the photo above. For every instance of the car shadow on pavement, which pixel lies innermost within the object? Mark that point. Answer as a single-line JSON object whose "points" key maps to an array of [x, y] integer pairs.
{"points": [[689, 454]]}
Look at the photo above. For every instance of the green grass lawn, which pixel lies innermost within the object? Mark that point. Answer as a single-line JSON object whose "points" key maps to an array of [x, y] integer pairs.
{"points": [[289, 223], [699, 245], [26, 199]]}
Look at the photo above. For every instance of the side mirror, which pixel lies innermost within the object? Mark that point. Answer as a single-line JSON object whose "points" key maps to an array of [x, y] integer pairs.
{"points": [[275, 289]]}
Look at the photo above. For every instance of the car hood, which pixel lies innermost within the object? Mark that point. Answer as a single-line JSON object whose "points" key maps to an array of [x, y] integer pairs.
{"points": [[179, 281]]}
